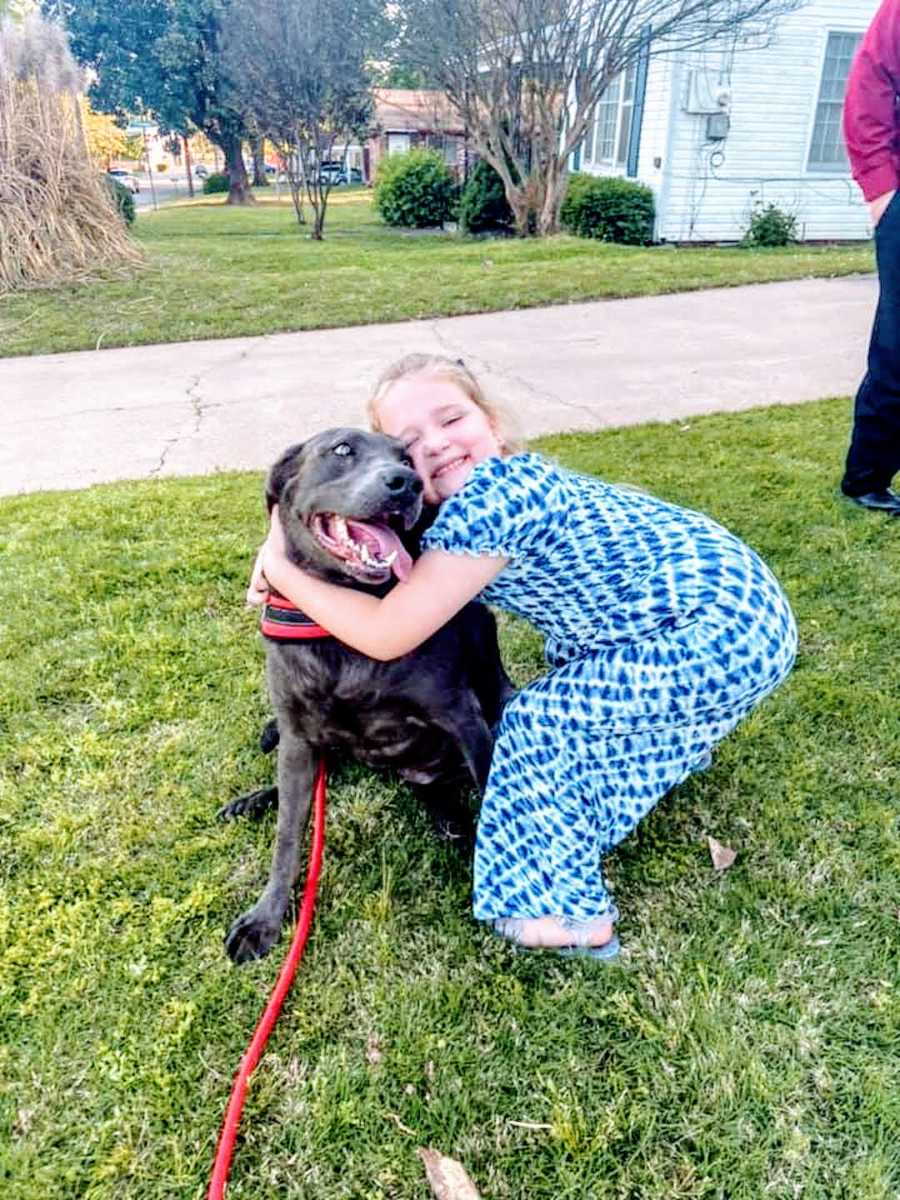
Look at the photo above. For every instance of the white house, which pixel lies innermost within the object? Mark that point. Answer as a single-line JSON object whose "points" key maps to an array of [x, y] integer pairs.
{"points": [[718, 130]]}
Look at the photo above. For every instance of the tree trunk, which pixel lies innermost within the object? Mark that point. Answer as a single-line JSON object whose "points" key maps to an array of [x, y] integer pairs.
{"points": [[189, 166], [554, 193], [238, 183], [260, 179], [296, 186]]}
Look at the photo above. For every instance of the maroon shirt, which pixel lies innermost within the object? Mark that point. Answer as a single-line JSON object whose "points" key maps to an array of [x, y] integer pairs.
{"points": [[870, 105]]}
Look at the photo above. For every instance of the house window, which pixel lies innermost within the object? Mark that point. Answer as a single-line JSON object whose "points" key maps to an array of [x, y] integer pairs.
{"points": [[398, 143], [826, 149], [606, 140]]}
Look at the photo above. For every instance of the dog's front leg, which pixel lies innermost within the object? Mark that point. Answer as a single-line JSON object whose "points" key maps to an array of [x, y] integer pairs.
{"points": [[255, 932]]}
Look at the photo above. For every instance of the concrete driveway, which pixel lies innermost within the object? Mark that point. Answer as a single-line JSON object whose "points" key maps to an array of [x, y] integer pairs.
{"points": [[71, 420]]}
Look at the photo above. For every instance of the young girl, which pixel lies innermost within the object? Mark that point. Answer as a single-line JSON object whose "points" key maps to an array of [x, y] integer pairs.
{"points": [[663, 630]]}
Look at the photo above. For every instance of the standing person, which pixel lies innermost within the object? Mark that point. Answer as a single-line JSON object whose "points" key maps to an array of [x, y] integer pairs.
{"points": [[663, 631], [871, 134]]}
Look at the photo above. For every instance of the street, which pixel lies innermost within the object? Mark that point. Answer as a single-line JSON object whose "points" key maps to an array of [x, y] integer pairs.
{"points": [[164, 190]]}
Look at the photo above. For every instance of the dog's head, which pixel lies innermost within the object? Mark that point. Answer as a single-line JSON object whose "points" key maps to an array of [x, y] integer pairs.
{"points": [[345, 496]]}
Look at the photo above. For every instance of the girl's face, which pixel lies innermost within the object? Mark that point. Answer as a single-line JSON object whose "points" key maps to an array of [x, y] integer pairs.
{"points": [[444, 432]]}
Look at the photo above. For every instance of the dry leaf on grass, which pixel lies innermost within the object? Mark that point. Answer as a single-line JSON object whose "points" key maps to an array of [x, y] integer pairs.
{"points": [[373, 1050], [447, 1177], [722, 856]]}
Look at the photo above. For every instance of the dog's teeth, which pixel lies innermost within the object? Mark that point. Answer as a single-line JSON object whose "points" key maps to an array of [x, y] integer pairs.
{"points": [[364, 554], [390, 558], [340, 526]]}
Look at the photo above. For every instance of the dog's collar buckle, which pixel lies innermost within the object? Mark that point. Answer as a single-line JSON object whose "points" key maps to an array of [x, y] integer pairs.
{"points": [[284, 622]]}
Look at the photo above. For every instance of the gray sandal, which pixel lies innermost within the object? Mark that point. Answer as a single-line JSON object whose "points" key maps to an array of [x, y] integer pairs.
{"points": [[510, 928]]}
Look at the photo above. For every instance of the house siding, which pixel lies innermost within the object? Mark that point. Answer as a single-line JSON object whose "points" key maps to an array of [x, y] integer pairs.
{"points": [[705, 190]]}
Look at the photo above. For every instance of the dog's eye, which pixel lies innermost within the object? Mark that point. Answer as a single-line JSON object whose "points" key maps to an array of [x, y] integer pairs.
{"points": [[342, 449]]}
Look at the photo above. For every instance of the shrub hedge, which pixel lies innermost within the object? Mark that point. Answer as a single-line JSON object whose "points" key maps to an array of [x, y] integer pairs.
{"points": [[483, 207], [609, 209], [415, 190], [771, 226], [217, 182], [123, 198]]}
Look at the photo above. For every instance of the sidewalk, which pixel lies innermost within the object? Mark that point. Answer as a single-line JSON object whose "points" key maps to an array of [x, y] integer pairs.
{"points": [[70, 420]]}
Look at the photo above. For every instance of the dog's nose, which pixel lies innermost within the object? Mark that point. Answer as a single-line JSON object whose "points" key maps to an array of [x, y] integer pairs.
{"points": [[405, 481]]}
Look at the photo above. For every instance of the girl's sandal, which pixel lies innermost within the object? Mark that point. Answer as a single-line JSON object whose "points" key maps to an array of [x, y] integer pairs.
{"points": [[510, 929]]}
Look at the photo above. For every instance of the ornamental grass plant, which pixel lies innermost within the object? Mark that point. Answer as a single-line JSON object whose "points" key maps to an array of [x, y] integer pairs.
{"points": [[58, 221]]}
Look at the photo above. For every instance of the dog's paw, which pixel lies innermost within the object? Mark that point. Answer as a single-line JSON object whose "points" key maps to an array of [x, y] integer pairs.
{"points": [[269, 737], [253, 805], [252, 935]]}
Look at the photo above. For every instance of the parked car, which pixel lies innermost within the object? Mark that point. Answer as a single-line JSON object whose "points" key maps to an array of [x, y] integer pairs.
{"points": [[126, 179], [336, 172], [331, 172]]}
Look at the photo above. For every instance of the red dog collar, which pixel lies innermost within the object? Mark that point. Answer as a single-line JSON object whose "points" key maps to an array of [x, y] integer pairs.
{"points": [[284, 622]]}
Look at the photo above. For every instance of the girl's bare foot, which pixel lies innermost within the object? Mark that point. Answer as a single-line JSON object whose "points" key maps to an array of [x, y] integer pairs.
{"points": [[555, 933]]}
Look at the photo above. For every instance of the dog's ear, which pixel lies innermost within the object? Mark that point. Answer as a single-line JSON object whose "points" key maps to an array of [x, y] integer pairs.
{"points": [[280, 473]]}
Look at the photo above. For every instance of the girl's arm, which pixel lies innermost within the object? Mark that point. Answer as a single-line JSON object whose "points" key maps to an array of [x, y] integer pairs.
{"points": [[439, 585]]}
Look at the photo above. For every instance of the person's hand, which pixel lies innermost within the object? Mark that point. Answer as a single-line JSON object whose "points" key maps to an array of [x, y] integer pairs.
{"points": [[274, 546], [878, 206], [258, 587]]}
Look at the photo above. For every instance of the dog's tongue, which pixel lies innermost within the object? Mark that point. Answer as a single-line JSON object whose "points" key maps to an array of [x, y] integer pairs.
{"points": [[382, 541]]}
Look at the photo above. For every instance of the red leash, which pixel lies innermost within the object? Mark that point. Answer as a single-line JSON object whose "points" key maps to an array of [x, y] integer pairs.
{"points": [[225, 1148]]}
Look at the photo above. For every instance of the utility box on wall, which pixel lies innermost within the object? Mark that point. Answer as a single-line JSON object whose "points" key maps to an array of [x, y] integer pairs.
{"points": [[702, 93], [717, 126]]}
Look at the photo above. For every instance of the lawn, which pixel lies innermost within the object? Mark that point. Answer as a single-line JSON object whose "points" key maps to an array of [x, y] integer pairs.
{"points": [[747, 1046], [214, 271]]}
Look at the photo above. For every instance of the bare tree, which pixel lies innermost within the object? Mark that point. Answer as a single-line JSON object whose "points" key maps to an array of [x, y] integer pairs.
{"points": [[299, 68], [525, 75]]}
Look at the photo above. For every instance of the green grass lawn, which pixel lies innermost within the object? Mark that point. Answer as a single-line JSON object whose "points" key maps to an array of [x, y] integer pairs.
{"points": [[747, 1046], [215, 271]]}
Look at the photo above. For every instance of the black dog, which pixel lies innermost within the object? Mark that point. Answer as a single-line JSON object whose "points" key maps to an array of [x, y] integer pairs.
{"points": [[344, 497]]}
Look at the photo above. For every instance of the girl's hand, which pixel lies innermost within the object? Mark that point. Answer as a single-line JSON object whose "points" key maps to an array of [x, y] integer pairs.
{"points": [[274, 547], [258, 588]]}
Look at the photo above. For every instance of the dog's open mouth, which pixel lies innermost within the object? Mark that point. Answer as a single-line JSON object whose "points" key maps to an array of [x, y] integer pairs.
{"points": [[369, 549]]}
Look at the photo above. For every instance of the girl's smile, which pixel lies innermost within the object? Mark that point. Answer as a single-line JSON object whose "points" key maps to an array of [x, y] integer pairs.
{"points": [[444, 432]]}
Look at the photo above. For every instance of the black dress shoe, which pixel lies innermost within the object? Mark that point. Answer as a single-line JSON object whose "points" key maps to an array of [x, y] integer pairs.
{"points": [[886, 501]]}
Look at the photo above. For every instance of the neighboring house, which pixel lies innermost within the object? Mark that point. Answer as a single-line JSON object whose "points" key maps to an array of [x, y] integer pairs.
{"points": [[409, 119], [717, 131]]}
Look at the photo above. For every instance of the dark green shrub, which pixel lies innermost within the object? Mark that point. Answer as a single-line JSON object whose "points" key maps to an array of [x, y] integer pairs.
{"points": [[771, 226], [217, 182], [122, 197], [415, 190], [578, 184], [483, 207], [609, 209]]}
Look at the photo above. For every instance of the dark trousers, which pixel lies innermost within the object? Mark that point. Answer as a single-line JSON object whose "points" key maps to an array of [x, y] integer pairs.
{"points": [[874, 455]]}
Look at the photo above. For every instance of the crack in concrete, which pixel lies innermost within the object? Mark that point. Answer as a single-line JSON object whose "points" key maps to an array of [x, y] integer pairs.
{"points": [[196, 402], [488, 368], [199, 406]]}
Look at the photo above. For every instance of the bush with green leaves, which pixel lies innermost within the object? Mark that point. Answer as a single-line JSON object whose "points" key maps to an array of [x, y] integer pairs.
{"points": [[414, 190], [124, 201], [217, 182], [483, 207], [771, 226], [609, 209]]}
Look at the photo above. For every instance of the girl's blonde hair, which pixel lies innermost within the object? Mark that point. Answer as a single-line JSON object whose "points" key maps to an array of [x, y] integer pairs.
{"points": [[436, 366]]}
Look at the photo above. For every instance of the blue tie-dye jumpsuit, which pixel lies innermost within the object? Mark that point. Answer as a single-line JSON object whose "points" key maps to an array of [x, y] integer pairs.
{"points": [[663, 630]]}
